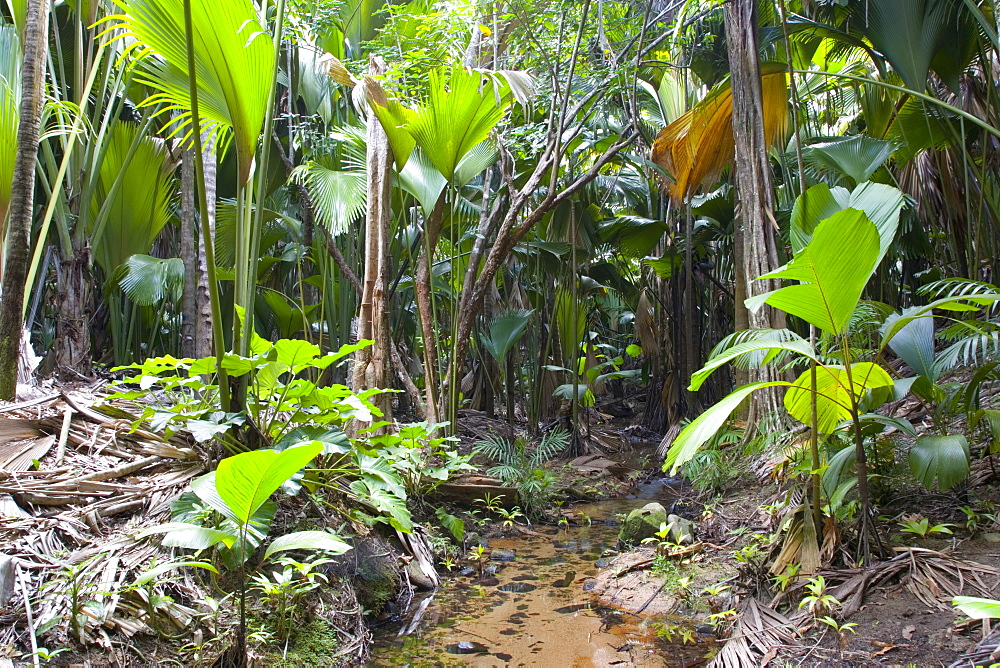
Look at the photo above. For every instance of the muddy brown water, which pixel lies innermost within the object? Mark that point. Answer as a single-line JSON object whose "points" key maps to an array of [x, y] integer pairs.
{"points": [[537, 610]]}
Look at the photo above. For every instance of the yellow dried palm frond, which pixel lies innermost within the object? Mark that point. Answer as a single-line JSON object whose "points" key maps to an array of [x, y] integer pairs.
{"points": [[696, 147]]}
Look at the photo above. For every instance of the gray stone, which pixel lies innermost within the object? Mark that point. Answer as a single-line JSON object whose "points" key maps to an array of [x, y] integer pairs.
{"points": [[681, 530], [589, 584], [992, 537], [502, 555], [418, 578], [642, 523]]}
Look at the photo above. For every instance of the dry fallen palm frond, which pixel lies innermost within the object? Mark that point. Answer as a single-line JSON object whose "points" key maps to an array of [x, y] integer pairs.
{"points": [[758, 632], [985, 653], [83, 510], [696, 147], [933, 577]]}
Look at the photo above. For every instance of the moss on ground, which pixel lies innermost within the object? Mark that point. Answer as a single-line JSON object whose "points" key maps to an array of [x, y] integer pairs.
{"points": [[314, 646]]}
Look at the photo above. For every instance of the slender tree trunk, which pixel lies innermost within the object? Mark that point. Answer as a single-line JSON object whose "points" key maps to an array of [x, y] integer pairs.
{"points": [[425, 309], [692, 356], [371, 365], [22, 193], [189, 255], [755, 225], [203, 324]]}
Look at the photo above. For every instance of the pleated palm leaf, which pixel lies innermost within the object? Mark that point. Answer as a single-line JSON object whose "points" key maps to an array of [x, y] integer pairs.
{"points": [[131, 202], [919, 36], [696, 147], [854, 158], [234, 63], [10, 100]]}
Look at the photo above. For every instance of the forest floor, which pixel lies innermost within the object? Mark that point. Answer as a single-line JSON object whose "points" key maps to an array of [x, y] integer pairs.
{"points": [[902, 617], [92, 483]]}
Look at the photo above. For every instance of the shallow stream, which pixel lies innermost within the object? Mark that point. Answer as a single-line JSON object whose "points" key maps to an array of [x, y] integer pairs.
{"points": [[537, 610]]}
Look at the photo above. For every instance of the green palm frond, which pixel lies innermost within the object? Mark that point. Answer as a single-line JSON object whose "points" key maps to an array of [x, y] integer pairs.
{"points": [[10, 114], [918, 36], [457, 117], [974, 342], [757, 358], [505, 330], [493, 446], [126, 220], [338, 196], [955, 287], [148, 281], [856, 157], [475, 162], [420, 178], [234, 63], [226, 222], [551, 445]]}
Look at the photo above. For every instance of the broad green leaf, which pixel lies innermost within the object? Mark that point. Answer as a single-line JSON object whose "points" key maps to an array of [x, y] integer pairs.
{"points": [[857, 157], [833, 393], [881, 203], [422, 180], [942, 458], [384, 502], [153, 573], [914, 343], [834, 268], [131, 204], [977, 608], [453, 524], [245, 481], [234, 64], [394, 118], [191, 536], [334, 441], [799, 346], [705, 426], [379, 473], [296, 353], [307, 540]]}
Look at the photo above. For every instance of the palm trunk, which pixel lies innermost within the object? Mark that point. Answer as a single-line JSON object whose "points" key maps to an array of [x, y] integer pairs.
{"points": [[755, 226], [22, 193], [189, 255], [203, 324], [371, 365], [73, 308], [425, 309]]}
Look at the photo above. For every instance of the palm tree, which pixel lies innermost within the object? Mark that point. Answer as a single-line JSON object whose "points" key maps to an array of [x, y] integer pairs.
{"points": [[22, 193]]}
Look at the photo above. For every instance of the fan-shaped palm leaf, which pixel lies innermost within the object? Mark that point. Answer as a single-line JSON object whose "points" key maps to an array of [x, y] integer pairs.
{"points": [[855, 157], [339, 196], [916, 36], [147, 281], [126, 220], [234, 63], [458, 116], [696, 147], [505, 331]]}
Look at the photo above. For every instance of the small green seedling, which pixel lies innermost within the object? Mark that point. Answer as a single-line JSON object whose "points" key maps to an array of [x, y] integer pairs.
{"points": [[922, 527]]}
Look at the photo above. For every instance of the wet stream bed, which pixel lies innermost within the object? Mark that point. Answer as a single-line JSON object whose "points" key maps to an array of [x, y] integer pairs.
{"points": [[539, 608]]}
